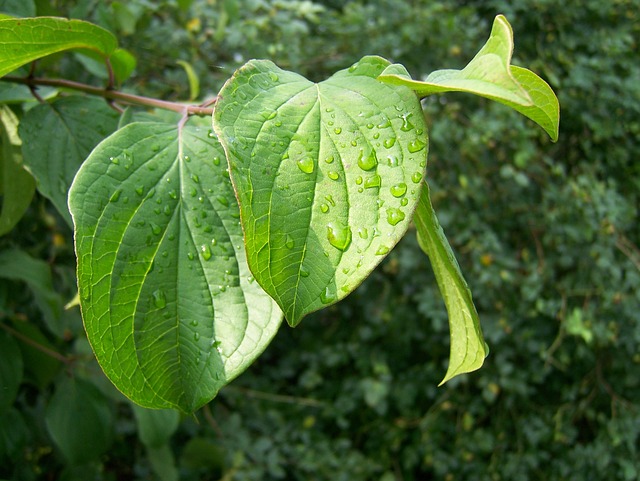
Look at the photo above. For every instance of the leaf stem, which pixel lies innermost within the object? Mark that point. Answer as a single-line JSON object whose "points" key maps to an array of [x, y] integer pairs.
{"points": [[116, 95]]}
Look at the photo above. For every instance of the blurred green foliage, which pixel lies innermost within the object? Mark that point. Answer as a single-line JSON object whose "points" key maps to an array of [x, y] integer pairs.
{"points": [[547, 237]]}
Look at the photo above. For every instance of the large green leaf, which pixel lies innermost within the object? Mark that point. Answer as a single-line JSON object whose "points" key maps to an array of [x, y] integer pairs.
{"points": [[23, 40], [491, 75], [79, 420], [169, 305], [16, 184], [327, 175], [468, 349], [58, 136]]}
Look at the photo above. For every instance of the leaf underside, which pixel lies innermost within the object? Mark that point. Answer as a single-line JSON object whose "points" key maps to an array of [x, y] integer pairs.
{"points": [[327, 175], [468, 349], [169, 305], [491, 75]]}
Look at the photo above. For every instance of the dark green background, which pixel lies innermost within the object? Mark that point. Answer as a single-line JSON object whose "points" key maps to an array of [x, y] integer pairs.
{"points": [[546, 235]]}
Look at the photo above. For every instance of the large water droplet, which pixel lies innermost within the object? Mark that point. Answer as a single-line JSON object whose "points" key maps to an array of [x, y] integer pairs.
{"points": [[327, 296], [416, 145], [388, 143], [368, 162], [333, 175], [416, 177], [337, 130], [339, 236], [306, 165], [394, 216], [399, 190], [406, 123], [205, 250], [115, 196], [329, 160], [372, 182], [288, 242], [159, 299], [382, 250]]}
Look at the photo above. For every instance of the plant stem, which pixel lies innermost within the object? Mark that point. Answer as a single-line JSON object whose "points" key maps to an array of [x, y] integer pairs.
{"points": [[49, 352], [114, 95]]}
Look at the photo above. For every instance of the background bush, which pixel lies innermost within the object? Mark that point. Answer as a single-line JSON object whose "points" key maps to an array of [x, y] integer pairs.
{"points": [[546, 234]]}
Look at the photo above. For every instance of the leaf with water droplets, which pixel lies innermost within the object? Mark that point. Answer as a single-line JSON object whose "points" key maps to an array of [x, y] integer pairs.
{"points": [[321, 172], [491, 75], [468, 349], [167, 298]]}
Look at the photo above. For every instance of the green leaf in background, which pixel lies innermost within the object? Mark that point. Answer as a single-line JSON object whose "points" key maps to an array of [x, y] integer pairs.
{"points": [[17, 186], [58, 137], [327, 175], [18, 8], [491, 75], [156, 426], [79, 420], [192, 76], [468, 349], [169, 305], [23, 40], [17, 265], [10, 370]]}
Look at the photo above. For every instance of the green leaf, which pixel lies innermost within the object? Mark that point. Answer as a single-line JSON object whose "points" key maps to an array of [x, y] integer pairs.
{"points": [[163, 463], [168, 302], [156, 426], [23, 40], [18, 8], [39, 367], [58, 137], [79, 420], [16, 184], [13, 435], [491, 75], [10, 370], [468, 349], [17, 265], [327, 175], [192, 76]]}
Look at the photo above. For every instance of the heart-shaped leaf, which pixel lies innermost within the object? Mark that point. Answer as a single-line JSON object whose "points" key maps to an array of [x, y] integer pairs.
{"points": [[23, 40], [169, 305], [468, 349], [491, 75], [327, 175]]}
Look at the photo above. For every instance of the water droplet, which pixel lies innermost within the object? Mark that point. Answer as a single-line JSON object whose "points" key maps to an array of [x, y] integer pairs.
{"points": [[382, 250], [406, 123], [329, 160], [223, 200], [369, 162], [333, 175], [359, 180], [393, 161], [187, 158], [363, 233], [195, 178], [196, 336], [354, 143], [115, 196], [288, 242], [337, 130], [327, 296], [193, 192], [329, 199], [304, 271], [159, 299], [372, 182], [273, 76], [114, 160], [155, 228], [306, 165], [173, 194], [399, 190], [404, 201], [216, 161], [210, 134], [190, 256], [394, 216], [324, 208], [205, 250], [140, 190], [339, 236], [416, 145], [369, 125], [416, 177], [390, 142], [194, 323]]}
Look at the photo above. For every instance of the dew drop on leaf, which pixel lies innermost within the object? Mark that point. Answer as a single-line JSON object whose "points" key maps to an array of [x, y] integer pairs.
{"points": [[339, 236], [115, 196], [416, 145], [288, 242], [406, 123], [390, 142], [382, 250], [205, 251], [327, 296], [394, 216], [304, 271], [368, 162], [333, 175], [159, 299], [372, 182], [416, 177], [306, 165], [399, 190]]}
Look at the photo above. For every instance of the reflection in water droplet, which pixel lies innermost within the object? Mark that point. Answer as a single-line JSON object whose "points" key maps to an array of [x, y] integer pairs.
{"points": [[372, 182], [416, 177], [382, 250], [205, 250], [416, 145], [369, 162], [406, 123], [288, 242], [306, 165], [339, 236], [399, 190], [394, 216], [159, 299], [327, 296]]}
